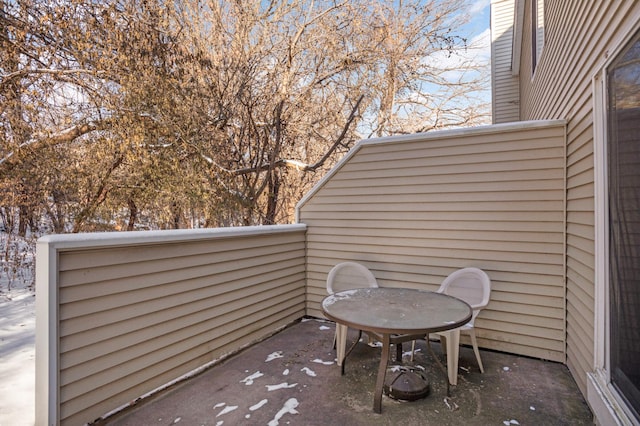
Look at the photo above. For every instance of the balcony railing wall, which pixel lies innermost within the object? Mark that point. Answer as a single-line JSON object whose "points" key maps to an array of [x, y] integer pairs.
{"points": [[121, 314], [414, 208]]}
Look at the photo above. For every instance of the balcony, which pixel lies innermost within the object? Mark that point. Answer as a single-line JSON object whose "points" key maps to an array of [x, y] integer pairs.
{"points": [[122, 315], [290, 378]]}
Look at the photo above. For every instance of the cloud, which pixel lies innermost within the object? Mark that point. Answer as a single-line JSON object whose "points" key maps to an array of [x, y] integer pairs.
{"points": [[478, 6], [476, 53]]}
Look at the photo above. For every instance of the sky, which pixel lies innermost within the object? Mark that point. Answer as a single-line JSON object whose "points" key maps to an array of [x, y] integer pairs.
{"points": [[478, 28]]}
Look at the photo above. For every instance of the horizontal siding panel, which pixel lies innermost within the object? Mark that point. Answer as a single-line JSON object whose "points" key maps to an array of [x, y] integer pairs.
{"points": [[450, 244], [184, 293], [530, 348], [349, 189], [580, 249], [582, 298], [492, 229], [75, 411], [582, 204], [504, 85], [131, 320], [90, 258], [426, 177], [102, 326], [493, 317], [451, 234], [414, 212], [435, 252], [481, 172], [562, 87], [552, 349], [522, 207], [463, 154], [545, 301], [553, 336], [441, 196], [133, 355], [581, 217], [585, 232], [112, 281], [584, 192]]}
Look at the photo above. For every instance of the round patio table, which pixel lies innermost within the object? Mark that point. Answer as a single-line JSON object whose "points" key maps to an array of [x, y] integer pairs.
{"points": [[396, 315]]}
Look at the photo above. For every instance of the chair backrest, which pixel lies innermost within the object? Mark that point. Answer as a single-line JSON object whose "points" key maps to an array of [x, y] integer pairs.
{"points": [[349, 275], [471, 285]]}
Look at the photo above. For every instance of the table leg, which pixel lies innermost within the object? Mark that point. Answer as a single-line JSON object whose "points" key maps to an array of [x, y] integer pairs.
{"points": [[382, 370], [341, 343]]}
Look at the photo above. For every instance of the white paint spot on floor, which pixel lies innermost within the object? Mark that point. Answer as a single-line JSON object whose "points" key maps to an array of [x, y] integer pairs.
{"points": [[249, 379], [177, 420], [273, 356], [288, 408], [220, 404], [324, 327], [309, 372], [319, 361], [505, 368], [510, 422], [227, 409], [284, 385], [285, 372], [532, 408]]}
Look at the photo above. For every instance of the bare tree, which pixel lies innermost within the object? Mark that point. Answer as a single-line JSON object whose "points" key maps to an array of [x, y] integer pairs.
{"points": [[128, 114]]}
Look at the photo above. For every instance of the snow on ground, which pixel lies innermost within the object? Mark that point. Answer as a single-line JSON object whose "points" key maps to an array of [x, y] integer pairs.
{"points": [[17, 357], [17, 334]]}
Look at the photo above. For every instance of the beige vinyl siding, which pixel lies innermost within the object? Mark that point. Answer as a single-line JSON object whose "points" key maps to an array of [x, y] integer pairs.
{"points": [[415, 209], [579, 37], [133, 318], [504, 85]]}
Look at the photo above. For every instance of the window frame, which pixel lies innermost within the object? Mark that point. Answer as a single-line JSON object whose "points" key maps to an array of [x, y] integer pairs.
{"points": [[608, 405], [537, 33]]}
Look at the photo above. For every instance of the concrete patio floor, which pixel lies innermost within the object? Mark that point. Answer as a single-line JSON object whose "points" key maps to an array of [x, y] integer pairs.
{"points": [[291, 379]]}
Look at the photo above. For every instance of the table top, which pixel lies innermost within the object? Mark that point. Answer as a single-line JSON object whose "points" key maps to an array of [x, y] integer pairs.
{"points": [[396, 310]]}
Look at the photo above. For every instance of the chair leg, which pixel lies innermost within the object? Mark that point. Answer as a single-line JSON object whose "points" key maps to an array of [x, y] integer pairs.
{"points": [[474, 343], [413, 349]]}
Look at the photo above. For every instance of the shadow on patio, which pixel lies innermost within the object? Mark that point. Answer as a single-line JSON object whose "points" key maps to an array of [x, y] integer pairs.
{"points": [[291, 378]]}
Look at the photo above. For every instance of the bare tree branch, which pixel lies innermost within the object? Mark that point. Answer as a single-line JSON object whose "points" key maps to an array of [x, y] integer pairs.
{"points": [[304, 167], [64, 136]]}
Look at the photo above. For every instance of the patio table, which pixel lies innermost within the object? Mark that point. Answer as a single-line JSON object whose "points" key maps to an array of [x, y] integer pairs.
{"points": [[396, 315]]}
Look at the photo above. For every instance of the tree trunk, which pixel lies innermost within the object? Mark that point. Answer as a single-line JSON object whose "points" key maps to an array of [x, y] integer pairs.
{"points": [[272, 198]]}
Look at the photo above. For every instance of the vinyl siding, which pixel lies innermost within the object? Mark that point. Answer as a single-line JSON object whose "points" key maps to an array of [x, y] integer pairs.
{"points": [[504, 86], [132, 318], [414, 209], [578, 39]]}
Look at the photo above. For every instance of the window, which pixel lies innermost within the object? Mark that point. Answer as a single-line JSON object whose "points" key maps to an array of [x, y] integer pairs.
{"points": [[623, 177], [537, 32]]}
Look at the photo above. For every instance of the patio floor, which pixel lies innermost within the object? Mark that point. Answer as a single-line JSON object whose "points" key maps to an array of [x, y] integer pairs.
{"points": [[292, 379]]}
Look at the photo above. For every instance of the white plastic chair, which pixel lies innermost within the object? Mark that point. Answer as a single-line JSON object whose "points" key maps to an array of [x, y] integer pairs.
{"points": [[347, 276], [474, 287]]}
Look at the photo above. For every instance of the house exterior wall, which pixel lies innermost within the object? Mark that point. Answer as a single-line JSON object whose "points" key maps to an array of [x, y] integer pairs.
{"points": [[579, 37], [127, 313], [505, 93], [415, 208]]}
